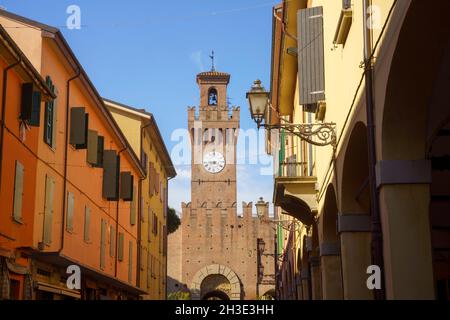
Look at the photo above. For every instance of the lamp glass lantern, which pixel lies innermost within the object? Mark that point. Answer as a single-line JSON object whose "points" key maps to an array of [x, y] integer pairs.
{"points": [[258, 99]]}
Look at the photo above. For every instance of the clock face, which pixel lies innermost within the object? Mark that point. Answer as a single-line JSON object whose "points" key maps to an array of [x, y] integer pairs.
{"points": [[214, 162]]}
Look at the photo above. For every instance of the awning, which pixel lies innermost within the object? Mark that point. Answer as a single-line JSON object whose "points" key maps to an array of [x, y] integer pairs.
{"points": [[63, 261], [58, 290]]}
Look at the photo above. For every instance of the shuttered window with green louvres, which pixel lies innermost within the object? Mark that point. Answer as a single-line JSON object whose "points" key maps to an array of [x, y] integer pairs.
{"points": [[50, 117], [311, 72], [18, 192], [48, 209]]}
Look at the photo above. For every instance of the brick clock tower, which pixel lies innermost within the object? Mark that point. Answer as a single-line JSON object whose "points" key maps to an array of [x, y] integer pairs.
{"points": [[213, 254], [213, 137]]}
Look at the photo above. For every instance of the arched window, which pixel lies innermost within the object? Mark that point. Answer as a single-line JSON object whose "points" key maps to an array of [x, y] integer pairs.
{"points": [[212, 97]]}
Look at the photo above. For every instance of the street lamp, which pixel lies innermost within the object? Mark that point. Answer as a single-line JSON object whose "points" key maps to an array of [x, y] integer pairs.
{"points": [[261, 208], [258, 98]]}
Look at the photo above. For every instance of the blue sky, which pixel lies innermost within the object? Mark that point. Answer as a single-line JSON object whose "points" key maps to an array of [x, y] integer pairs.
{"points": [[147, 53]]}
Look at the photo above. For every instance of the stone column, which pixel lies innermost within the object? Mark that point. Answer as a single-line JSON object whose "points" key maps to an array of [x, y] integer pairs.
{"points": [[316, 278], [330, 260], [354, 230], [404, 203]]}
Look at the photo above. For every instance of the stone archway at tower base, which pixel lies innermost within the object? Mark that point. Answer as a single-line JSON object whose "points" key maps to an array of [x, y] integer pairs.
{"points": [[216, 269]]}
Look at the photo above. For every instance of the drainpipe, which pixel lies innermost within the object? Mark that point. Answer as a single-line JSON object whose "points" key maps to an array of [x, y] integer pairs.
{"points": [[3, 121], [66, 149], [138, 273], [117, 222], [377, 235]]}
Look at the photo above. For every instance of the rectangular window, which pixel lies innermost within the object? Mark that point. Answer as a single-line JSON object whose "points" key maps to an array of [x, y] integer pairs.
{"points": [[100, 149], [18, 192], [130, 262], [70, 211], [144, 161], [50, 117], [120, 249], [160, 238], [87, 223], [103, 244], [48, 209], [112, 241]]}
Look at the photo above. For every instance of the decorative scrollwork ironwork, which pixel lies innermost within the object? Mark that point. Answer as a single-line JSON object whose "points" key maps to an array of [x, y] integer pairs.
{"points": [[319, 134]]}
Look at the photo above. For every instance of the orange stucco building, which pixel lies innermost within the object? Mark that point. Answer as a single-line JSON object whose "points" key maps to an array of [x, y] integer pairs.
{"points": [[79, 177]]}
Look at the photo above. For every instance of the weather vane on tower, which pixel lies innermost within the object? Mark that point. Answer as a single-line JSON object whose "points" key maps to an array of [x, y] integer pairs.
{"points": [[213, 68]]}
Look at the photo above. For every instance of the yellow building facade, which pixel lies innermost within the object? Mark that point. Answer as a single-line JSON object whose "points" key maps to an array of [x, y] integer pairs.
{"points": [[378, 195], [142, 132]]}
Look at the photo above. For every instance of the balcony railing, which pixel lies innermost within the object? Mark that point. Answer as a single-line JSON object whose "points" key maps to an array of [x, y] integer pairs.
{"points": [[293, 169]]}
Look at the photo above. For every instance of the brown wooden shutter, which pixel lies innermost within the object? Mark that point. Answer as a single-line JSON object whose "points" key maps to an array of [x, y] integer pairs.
{"points": [[26, 103], [103, 244], [87, 223], [100, 149], [142, 257], [18, 192], [149, 269], [120, 249], [126, 186], [149, 225], [112, 241], [70, 209], [48, 210], [92, 147], [130, 261], [35, 120], [165, 241], [311, 73], [78, 127], [133, 207], [111, 168]]}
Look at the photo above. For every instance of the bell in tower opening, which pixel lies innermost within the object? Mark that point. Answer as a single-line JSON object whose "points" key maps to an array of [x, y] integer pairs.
{"points": [[212, 97]]}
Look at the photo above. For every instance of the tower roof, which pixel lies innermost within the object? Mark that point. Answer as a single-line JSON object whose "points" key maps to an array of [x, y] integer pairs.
{"points": [[213, 77]]}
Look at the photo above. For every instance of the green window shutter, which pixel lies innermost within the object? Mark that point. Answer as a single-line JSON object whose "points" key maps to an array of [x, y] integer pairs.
{"points": [[120, 253], [87, 223], [102, 244], [133, 208], [112, 241], [48, 210], [54, 120], [130, 262], [49, 116], [18, 192], [70, 208], [92, 147], [35, 120]]}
